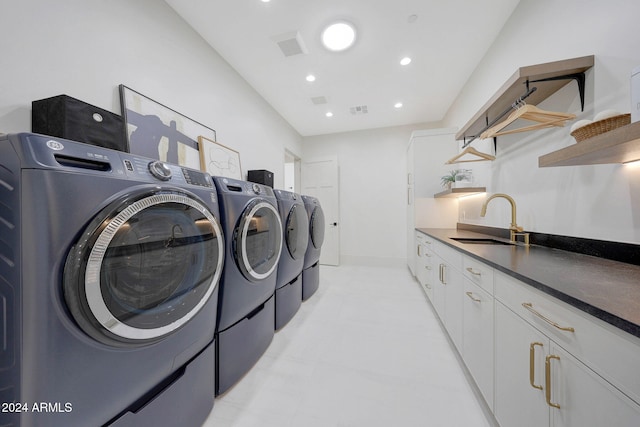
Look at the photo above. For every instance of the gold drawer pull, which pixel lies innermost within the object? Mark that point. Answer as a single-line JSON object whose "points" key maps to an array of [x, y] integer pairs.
{"points": [[532, 364], [529, 306], [470, 270], [547, 377], [470, 295]]}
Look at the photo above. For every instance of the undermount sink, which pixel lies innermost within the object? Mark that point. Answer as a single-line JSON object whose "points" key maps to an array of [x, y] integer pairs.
{"points": [[480, 241]]}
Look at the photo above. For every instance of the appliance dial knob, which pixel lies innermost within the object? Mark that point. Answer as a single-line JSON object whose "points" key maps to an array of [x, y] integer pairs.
{"points": [[160, 170], [256, 188]]}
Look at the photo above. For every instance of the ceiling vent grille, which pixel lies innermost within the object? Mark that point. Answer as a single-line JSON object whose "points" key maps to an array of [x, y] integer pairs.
{"points": [[359, 109], [290, 43], [319, 100]]}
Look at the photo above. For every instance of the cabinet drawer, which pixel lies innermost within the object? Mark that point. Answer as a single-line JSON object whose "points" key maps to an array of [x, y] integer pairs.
{"points": [[448, 255], [478, 272], [612, 353]]}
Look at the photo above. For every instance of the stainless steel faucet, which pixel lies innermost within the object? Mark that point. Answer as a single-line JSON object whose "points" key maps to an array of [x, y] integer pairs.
{"points": [[514, 228]]}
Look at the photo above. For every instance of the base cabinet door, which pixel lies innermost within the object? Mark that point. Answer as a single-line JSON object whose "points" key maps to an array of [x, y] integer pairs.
{"points": [[520, 352], [477, 340], [451, 279], [578, 396]]}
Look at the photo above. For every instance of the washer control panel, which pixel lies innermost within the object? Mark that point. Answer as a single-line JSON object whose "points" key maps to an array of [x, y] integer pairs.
{"points": [[166, 172]]}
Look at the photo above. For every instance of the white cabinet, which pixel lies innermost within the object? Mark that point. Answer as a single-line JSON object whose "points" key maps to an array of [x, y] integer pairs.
{"points": [[583, 397], [519, 371], [424, 263], [556, 367], [425, 153], [477, 340], [448, 291]]}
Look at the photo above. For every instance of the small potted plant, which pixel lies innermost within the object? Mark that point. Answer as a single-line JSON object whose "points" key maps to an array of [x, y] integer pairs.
{"points": [[449, 180]]}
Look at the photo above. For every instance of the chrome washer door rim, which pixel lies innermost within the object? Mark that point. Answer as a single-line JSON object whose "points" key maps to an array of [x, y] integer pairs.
{"points": [[93, 294], [244, 234]]}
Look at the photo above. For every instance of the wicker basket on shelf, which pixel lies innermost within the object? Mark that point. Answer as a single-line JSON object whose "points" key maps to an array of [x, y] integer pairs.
{"points": [[601, 126]]}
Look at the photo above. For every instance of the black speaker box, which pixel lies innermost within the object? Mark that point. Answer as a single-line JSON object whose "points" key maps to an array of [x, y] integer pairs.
{"points": [[65, 117], [261, 176]]}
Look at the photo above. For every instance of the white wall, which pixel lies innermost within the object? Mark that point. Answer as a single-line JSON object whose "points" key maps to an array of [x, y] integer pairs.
{"points": [[86, 48], [601, 202], [373, 182]]}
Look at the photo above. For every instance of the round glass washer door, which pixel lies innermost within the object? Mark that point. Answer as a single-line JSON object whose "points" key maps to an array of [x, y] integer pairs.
{"points": [[316, 227], [145, 269], [257, 242], [295, 232]]}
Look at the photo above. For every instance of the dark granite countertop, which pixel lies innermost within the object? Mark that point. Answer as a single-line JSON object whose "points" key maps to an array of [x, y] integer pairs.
{"points": [[606, 289]]}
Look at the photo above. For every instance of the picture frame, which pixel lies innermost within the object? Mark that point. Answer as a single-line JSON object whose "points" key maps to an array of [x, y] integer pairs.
{"points": [[156, 131], [219, 160]]}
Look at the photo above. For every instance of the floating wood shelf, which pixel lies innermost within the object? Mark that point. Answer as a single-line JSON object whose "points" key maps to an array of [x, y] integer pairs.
{"points": [[620, 145], [460, 192], [516, 86]]}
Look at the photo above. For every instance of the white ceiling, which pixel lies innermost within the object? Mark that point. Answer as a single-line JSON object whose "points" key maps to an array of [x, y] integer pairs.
{"points": [[446, 42]]}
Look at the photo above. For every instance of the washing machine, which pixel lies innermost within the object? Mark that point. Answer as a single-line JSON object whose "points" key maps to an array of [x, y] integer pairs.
{"points": [[246, 305], [109, 271], [311, 268], [295, 224]]}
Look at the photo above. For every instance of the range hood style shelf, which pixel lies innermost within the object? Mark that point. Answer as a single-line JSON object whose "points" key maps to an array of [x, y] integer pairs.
{"points": [[620, 145], [460, 192], [551, 76]]}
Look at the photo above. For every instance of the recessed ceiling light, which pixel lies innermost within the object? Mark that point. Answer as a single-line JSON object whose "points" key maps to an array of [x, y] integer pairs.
{"points": [[329, 114], [398, 105], [311, 78], [405, 61], [339, 36]]}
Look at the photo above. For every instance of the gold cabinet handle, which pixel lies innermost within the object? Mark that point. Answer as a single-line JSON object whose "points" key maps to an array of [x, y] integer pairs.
{"points": [[470, 295], [470, 270], [418, 250], [547, 379], [529, 306], [428, 267], [532, 364], [444, 274]]}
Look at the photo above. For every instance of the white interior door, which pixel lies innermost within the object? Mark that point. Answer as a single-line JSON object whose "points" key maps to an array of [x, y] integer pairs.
{"points": [[320, 180]]}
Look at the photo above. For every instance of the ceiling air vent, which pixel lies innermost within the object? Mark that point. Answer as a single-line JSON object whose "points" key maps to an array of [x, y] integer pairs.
{"points": [[290, 43], [359, 109], [319, 100]]}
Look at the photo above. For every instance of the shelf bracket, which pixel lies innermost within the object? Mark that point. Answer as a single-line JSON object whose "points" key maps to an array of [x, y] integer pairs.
{"points": [[578, 77]]}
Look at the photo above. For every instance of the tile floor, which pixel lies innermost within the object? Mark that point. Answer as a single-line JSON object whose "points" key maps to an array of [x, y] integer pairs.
{"points": [[365, 351]]}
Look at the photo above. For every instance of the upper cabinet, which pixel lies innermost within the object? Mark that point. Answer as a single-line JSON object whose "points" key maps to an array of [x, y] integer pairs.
{"points": [[533, 83]]}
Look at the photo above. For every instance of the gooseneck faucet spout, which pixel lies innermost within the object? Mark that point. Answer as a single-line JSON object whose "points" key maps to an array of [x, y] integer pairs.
{"points": [[514, 228]]}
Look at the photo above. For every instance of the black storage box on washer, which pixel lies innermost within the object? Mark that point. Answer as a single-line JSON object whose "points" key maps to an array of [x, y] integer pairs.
{"points": [[65, 117], [261, 176]]}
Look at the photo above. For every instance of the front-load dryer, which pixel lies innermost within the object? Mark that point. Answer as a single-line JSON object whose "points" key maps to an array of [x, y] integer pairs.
{"points": [[245, 326], [311, 269], [295, 223], [109, 270]]}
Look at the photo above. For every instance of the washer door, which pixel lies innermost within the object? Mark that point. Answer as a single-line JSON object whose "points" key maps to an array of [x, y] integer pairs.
{"points": [[257, 240], [295, 233], [145, 268], [316, 227]]}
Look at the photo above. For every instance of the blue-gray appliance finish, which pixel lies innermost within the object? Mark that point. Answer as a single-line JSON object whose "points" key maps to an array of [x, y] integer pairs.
{"points": [[109, 270], [295, 221], [245, 326], [311, 269]]}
